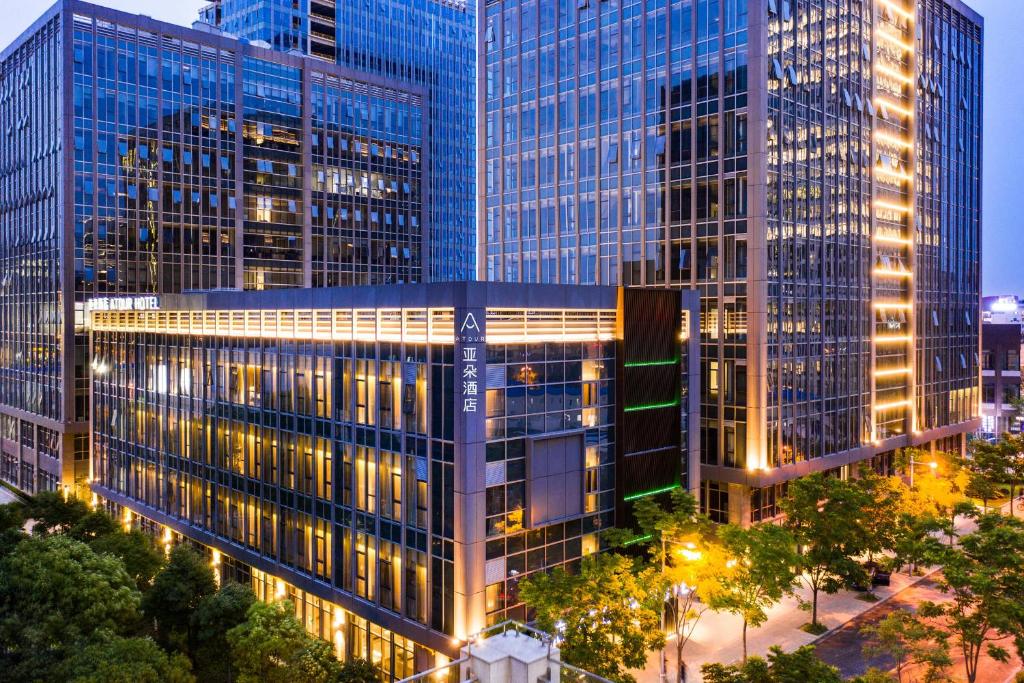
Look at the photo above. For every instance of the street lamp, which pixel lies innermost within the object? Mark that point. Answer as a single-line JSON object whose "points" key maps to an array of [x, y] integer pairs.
{"points": [[931, 464], [687, 551]]}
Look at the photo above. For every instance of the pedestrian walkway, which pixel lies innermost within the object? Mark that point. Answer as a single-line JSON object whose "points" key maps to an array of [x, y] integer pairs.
{"points": [[719, 636]]}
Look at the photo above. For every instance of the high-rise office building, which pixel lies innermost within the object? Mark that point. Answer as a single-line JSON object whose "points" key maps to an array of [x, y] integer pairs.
{"points": [[393, 459], [145, 158], [811, 167], [428, 43]]}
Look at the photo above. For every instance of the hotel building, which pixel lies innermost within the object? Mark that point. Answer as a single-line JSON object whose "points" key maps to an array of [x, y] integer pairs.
{"points": [[811, 167], [394, 459], [144, 158]]}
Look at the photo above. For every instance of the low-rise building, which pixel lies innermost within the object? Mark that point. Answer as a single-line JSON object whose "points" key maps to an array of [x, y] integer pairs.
{"points": [[393, 459]]}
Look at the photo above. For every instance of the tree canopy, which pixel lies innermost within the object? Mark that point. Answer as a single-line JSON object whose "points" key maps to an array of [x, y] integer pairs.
{"points": [[55, 592], [607, 615]]}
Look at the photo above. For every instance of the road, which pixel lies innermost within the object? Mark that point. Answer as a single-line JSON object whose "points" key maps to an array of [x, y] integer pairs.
{"points": [[842, 647]]}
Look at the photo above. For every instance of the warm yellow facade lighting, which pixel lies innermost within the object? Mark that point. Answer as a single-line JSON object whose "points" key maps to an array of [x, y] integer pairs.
{"points": [[434, 325], [906, 14], [892, 372], [889, 272], [894, 74], [903, 208], [905, 177], [889, 406], [887, 239], [893, 339], [892, 106], [893, 140], [890, 38], [893, 305]]}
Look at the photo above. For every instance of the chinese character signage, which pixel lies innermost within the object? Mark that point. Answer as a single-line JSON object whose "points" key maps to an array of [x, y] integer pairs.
{"points": [[470, 347]]}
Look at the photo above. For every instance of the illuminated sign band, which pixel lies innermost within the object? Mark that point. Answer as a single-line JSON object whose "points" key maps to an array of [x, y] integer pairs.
{"points": [[124, 303]]}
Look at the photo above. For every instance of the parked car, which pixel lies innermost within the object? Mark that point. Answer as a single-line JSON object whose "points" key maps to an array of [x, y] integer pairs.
{"points": [[878, 575]]}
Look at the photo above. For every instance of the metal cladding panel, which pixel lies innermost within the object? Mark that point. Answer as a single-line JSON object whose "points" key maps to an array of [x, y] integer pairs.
{"points": [[649, 449]]}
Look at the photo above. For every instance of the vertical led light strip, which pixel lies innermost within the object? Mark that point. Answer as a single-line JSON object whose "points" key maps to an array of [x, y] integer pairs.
{"points": [[893, 219]]}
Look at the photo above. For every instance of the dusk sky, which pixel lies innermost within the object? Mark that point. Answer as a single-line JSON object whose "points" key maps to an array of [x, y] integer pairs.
{"points": [[1003, 265]]}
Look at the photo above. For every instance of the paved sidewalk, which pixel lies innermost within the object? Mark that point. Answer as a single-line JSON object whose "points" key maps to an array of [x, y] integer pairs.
{"points": [[719, 636]]}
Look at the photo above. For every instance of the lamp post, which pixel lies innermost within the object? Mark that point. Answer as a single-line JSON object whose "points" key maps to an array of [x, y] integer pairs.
{"points": [[932, 464], [688, 551]]}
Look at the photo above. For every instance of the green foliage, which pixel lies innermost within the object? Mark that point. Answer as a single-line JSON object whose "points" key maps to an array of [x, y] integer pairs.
{"points": [[761, 571], [176, 592], [987, 468], [136, 550], [827, 517], [873, 675], [358, 671], [215, 616], [55, 592], [94, 524], [908, 641], [51, 513], [12, 518], [113, 659], [799, 666], [685, 548], [914, 541], [883, 504], [271, 646], [984, 578], [607, 614]]}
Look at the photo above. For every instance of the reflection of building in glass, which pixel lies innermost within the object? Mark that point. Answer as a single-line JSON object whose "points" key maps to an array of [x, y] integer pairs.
{"points": [[812, 168], [145, 158], [429, 44], [394, 458]]}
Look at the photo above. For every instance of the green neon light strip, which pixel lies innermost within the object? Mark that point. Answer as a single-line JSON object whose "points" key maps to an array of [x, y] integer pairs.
{"points": [[650, 406], [649, 363], [652, 492], [639, 539]]}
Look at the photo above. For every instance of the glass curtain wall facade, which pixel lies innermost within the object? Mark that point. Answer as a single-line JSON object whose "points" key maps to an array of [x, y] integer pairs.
{"points": [[145, 158], [429, 44], [403, 465], [811, 167]]}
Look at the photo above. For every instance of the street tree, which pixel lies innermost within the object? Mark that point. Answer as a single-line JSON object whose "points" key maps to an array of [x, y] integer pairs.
{"points": [[359, 670], [55, 593], [606, 615], [885, 496], [113, 659], [827, 518], [92, 525], [52, 512], [1013, 446], [914, 540], [683, 545], [271, 646], [136, 550], [799, 666], [761, 570], [177, 590], [984, 578], [942, 492], [987, 468], [12, 518], [214, 617], [908, 642]]}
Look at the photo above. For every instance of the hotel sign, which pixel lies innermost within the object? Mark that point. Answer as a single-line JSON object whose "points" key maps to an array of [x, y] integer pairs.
{"points": [[124, 303], [470, 338]]}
